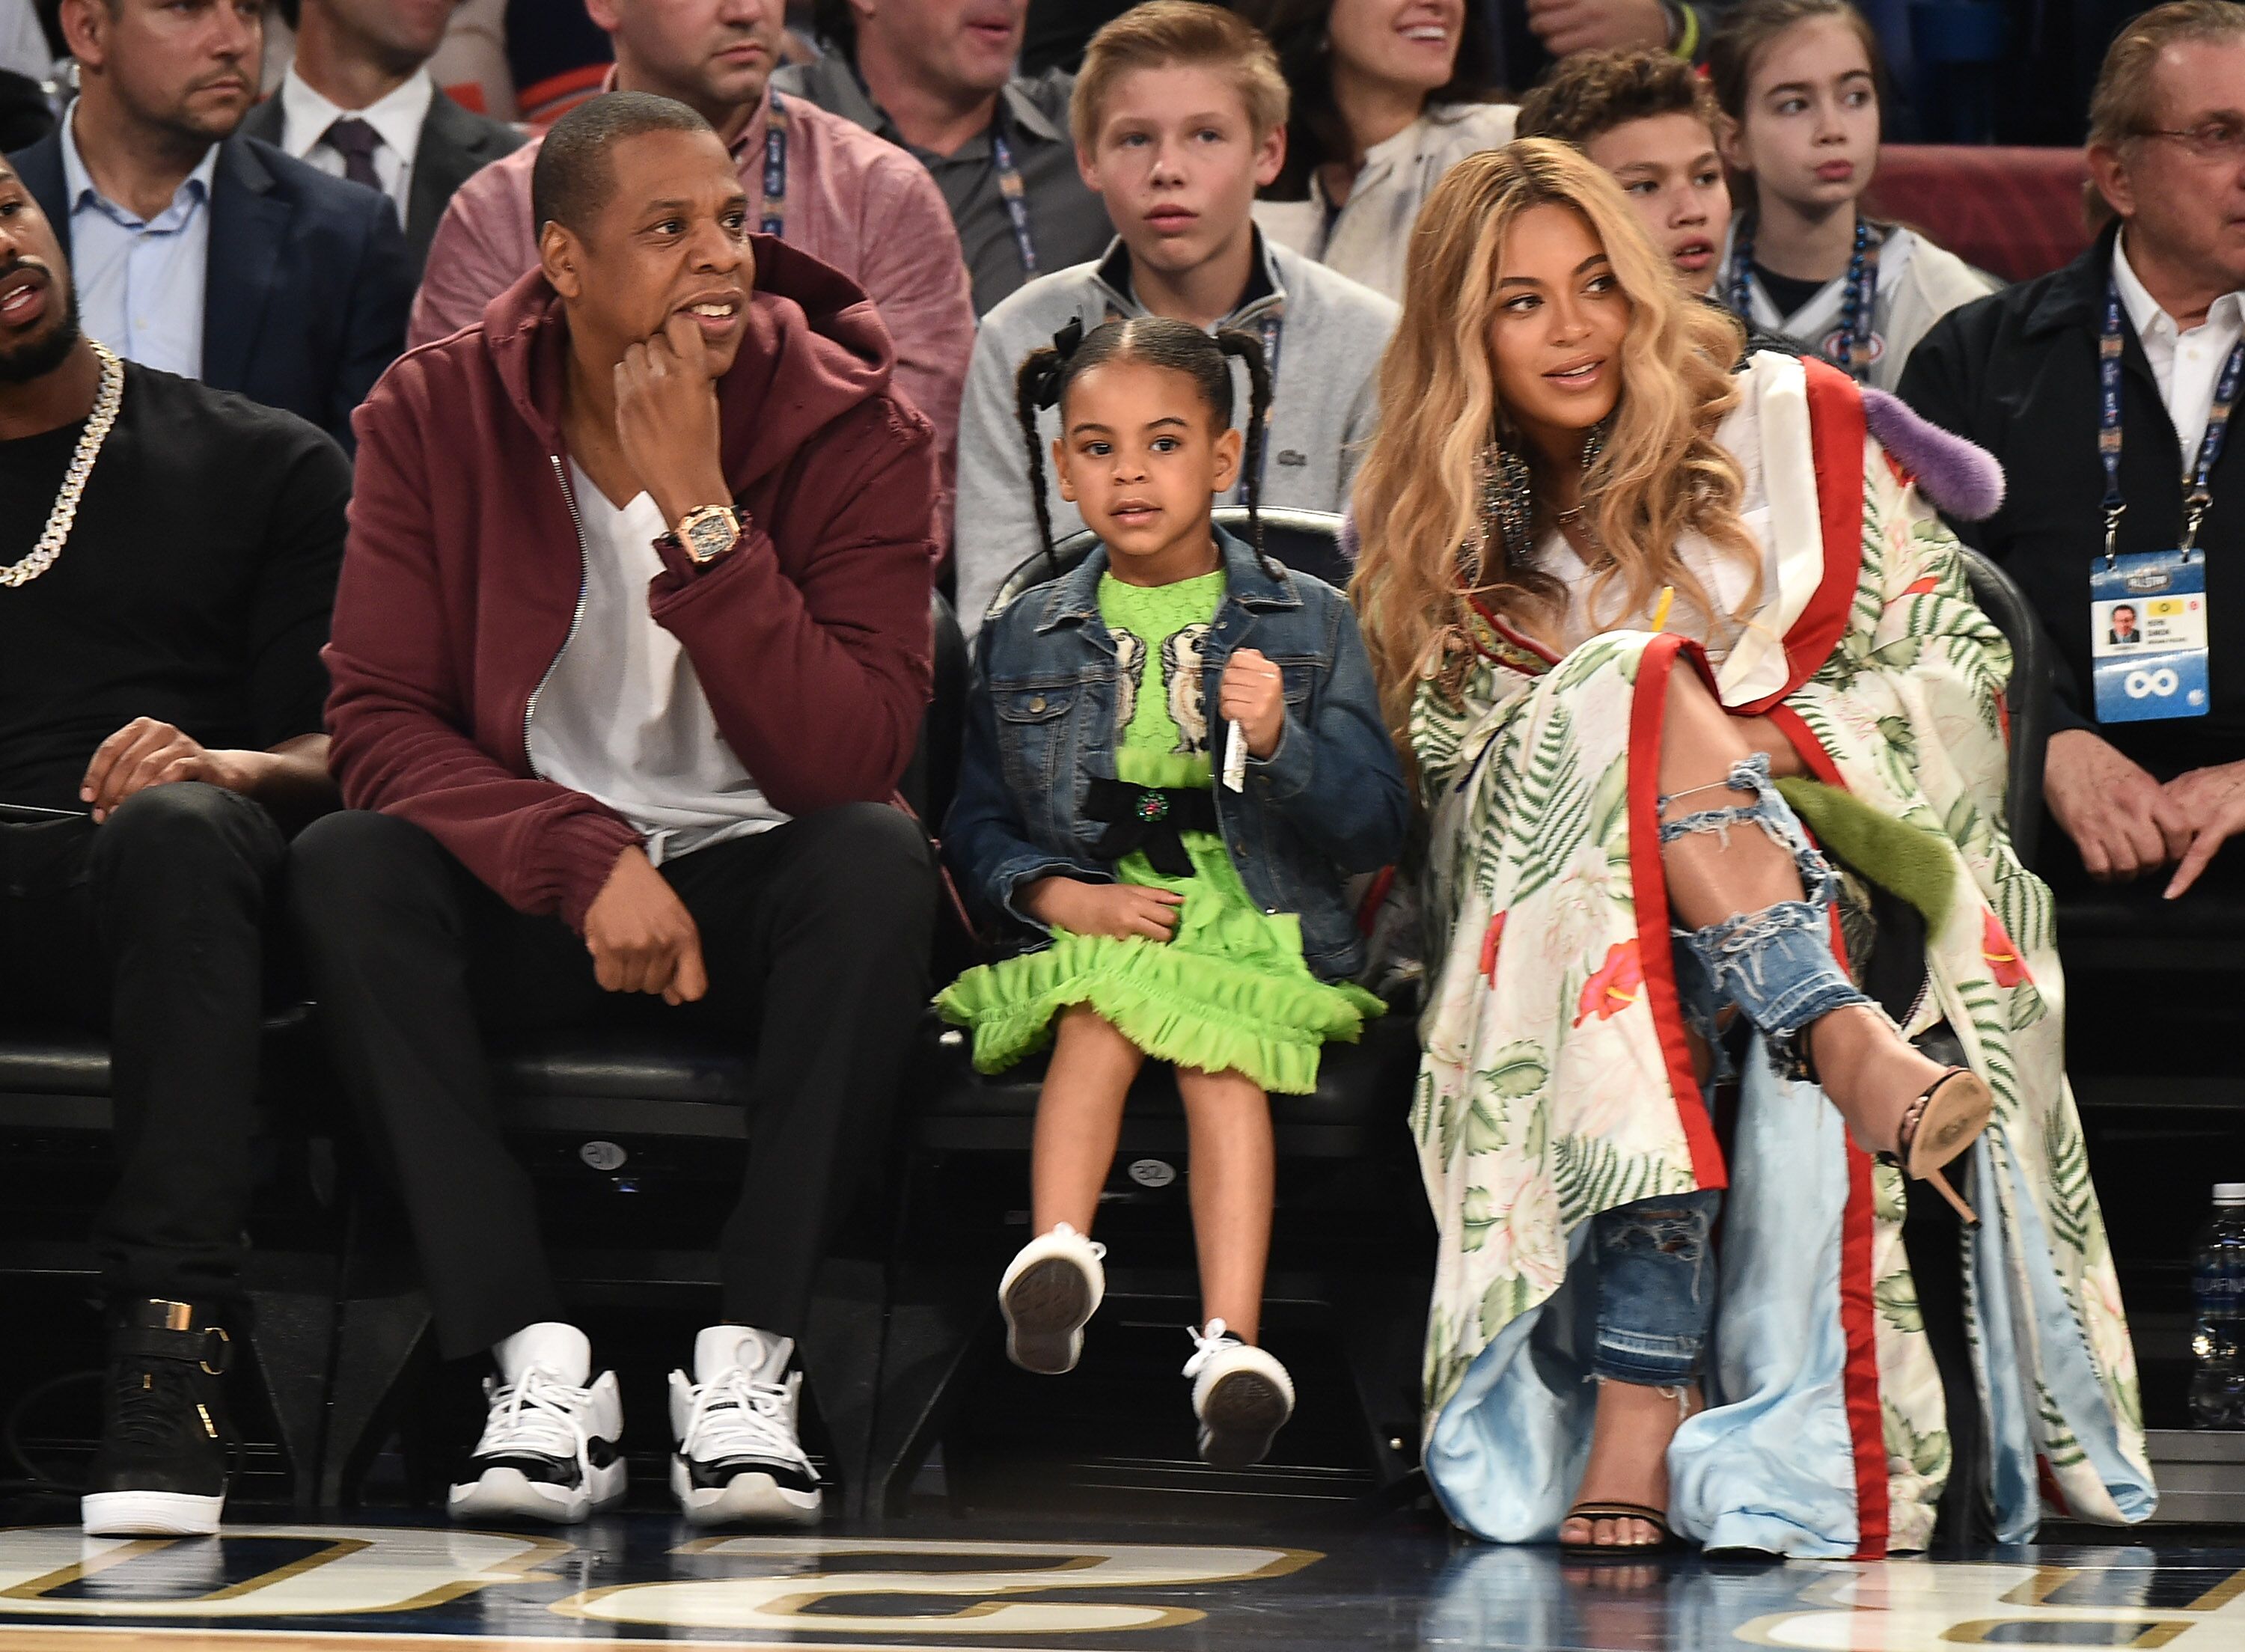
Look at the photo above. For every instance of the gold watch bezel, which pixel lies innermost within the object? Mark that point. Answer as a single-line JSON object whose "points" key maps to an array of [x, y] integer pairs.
{"points": [[700, 518]]}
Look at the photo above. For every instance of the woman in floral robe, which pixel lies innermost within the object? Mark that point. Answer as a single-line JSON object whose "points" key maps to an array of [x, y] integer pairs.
{"points": [[1555, 641]]}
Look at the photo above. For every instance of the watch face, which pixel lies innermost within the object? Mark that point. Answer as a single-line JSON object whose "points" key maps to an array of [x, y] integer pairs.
{"points": [[709, 534]]}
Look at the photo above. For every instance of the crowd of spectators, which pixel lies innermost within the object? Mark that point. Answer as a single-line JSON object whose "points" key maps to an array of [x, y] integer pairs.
{"points": [[300, 392]]}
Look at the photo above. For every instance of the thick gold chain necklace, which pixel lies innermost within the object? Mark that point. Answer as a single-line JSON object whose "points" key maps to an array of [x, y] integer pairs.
{"points": [[106, 401]]}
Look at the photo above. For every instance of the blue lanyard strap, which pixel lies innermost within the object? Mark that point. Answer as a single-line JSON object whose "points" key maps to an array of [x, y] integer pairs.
{"points": [[1858, 301], [2198, 480], [1016, 195], [775, 210]]}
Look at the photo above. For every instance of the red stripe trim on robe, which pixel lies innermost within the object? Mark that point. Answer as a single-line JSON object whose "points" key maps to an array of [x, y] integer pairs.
{"points": [[1858, 1312], [1836, 440], [1649, 878]]}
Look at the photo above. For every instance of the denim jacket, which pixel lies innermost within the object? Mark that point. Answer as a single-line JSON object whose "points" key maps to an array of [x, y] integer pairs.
{"points": [[1329, 802]]}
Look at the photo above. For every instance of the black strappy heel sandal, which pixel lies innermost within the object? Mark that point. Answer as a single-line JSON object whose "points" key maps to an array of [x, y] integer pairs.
{"points": [[1666, 1543], [1940, 1125]]}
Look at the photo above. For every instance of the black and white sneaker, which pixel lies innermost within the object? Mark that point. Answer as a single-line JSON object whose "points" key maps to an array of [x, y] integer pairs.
{"points": [[1242, 1396], [548, 1450], [162, 1469], [738, 1459]]}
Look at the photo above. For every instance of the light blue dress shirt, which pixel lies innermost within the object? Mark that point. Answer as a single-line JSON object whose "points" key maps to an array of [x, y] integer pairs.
{"points": [[140, 281]]}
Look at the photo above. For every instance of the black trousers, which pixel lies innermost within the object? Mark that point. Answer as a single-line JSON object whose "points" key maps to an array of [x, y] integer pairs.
{"points": [[815, 935], [151, 928]]}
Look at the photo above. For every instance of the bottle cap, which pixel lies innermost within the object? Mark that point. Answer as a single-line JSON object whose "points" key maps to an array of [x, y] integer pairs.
{"points": [[2229, 1192]]}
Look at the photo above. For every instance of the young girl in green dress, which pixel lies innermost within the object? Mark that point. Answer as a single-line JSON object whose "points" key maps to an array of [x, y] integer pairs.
{"points": [[1174, 759]]}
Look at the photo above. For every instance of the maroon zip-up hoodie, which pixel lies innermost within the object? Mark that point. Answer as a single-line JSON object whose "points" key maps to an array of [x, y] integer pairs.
{"points": [[464, 571]]}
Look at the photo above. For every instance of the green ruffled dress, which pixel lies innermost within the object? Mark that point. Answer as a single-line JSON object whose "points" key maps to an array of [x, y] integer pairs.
{"points": [[1228, 989]]}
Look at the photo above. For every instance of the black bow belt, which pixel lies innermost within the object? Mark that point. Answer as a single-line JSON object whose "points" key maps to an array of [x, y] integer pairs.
{"points": [[1151, 818]]}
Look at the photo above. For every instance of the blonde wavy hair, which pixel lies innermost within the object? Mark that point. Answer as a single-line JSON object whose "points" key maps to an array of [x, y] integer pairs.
{"points": [[1418, 497]]}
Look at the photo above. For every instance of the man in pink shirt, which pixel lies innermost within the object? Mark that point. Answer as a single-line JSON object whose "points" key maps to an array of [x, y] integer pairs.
{"points": [[846, 197]]}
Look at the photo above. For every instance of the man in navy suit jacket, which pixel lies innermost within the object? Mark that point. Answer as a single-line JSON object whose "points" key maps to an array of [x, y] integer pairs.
{"points": [[201, 251]]}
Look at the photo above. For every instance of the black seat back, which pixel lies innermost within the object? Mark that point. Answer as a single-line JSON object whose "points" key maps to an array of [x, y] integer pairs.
{"points": [[2028, 699]]}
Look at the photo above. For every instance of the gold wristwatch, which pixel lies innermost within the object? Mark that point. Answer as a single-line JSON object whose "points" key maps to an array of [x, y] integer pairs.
{"points": [[709, 532]]}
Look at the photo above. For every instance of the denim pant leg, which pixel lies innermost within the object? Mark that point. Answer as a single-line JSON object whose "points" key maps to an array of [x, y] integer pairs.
{"points": [[1776, 964], [1655, 1286]]}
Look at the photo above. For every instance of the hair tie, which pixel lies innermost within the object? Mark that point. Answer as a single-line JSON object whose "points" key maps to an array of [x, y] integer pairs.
{"points": [[1041, 380]]}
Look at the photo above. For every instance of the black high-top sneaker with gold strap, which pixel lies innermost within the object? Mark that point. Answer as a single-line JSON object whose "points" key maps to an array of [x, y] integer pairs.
{"points": [[161, 1470]]}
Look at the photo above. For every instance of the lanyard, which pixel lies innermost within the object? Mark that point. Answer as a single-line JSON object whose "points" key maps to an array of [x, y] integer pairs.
{"points": [[1858, 301], [775, 212], [2198, 491], [1016, 195]]}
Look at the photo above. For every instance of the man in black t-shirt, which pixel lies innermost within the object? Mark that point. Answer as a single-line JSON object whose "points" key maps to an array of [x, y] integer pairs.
{"points": [[168, 556]]}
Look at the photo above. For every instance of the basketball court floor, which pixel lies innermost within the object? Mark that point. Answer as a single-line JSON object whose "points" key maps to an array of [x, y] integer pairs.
{"points": [[1357, 1581], [1054, 1517]]}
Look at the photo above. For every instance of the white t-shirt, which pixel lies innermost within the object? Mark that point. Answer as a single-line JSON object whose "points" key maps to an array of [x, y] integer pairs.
{"points": [[1725, 578], [622, 717]]}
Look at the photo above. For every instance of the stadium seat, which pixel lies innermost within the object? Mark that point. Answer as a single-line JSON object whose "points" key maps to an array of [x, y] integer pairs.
{"points": [[636, 1146], [1352, 1249], [2026, 703], [2016, 213], [56, 1124]]}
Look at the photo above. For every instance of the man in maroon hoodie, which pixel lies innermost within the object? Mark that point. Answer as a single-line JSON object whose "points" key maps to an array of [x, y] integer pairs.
{"points": [[630, 648]]}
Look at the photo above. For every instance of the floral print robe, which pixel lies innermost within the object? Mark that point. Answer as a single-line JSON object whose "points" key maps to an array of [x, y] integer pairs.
{"points": [[1556, 1083]]}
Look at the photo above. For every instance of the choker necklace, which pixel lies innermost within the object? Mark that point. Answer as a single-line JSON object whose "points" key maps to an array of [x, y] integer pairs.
{"points": [[1857, 299], [105, 402]]}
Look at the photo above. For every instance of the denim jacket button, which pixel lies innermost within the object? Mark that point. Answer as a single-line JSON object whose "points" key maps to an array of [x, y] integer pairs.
{"points": [[1037, 704]]}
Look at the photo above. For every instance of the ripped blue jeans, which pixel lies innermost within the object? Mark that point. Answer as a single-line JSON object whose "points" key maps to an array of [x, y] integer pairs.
{"points": [[1656, 1282], [1656, 1288], [1776, 966]]}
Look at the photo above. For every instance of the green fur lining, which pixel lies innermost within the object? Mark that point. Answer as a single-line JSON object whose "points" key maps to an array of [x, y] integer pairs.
{"points": [[1908, 861]]}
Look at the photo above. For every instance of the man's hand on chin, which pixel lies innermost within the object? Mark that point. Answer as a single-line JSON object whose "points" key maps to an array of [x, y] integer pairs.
{"points": [[667, 420], [2122, 822]]}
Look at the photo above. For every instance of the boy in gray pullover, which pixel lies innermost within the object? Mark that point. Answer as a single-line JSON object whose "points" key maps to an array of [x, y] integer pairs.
{"points": [[1179, 116]]}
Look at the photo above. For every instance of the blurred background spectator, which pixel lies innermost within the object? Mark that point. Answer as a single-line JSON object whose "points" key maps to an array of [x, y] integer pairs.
{"points": [[358, 102], [1387, 95]]}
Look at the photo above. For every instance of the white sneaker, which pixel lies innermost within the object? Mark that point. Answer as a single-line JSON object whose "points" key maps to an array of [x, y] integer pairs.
{"points": [[738, 1457], [1242, 1396], [1049, 1293], [548, 1450]]}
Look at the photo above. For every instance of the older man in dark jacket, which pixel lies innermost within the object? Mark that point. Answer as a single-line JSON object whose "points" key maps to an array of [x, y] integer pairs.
{"points": [[2019, 374]]}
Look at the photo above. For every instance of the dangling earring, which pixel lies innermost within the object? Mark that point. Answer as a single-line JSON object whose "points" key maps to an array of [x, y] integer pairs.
{"points": [[1508, 499]]}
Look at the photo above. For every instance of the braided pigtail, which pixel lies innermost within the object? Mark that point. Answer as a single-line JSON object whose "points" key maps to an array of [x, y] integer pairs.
{"points": [[1032, 389], [1249, 349], [1041, 382]]}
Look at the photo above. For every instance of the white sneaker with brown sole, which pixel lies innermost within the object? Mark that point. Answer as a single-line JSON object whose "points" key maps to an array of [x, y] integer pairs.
{"points": [[1049, 1293]]}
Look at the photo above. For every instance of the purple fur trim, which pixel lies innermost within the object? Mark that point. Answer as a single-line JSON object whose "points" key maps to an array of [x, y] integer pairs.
{"points": [[1350, 544], [1961, 478]]}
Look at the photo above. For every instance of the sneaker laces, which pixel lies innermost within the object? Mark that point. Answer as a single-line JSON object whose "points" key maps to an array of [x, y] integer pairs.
{"points": [[154, 1405], [1207, 1347], [1062, 1228], [737, 1416], [538, 1412]]}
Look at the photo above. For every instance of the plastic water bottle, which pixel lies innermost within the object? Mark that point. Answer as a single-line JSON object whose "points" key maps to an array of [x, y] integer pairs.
{"points": [[2217, 1343]]}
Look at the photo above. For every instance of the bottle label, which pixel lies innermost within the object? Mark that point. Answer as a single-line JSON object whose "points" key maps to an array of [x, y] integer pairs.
{"points": [[2219, 1286]]}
